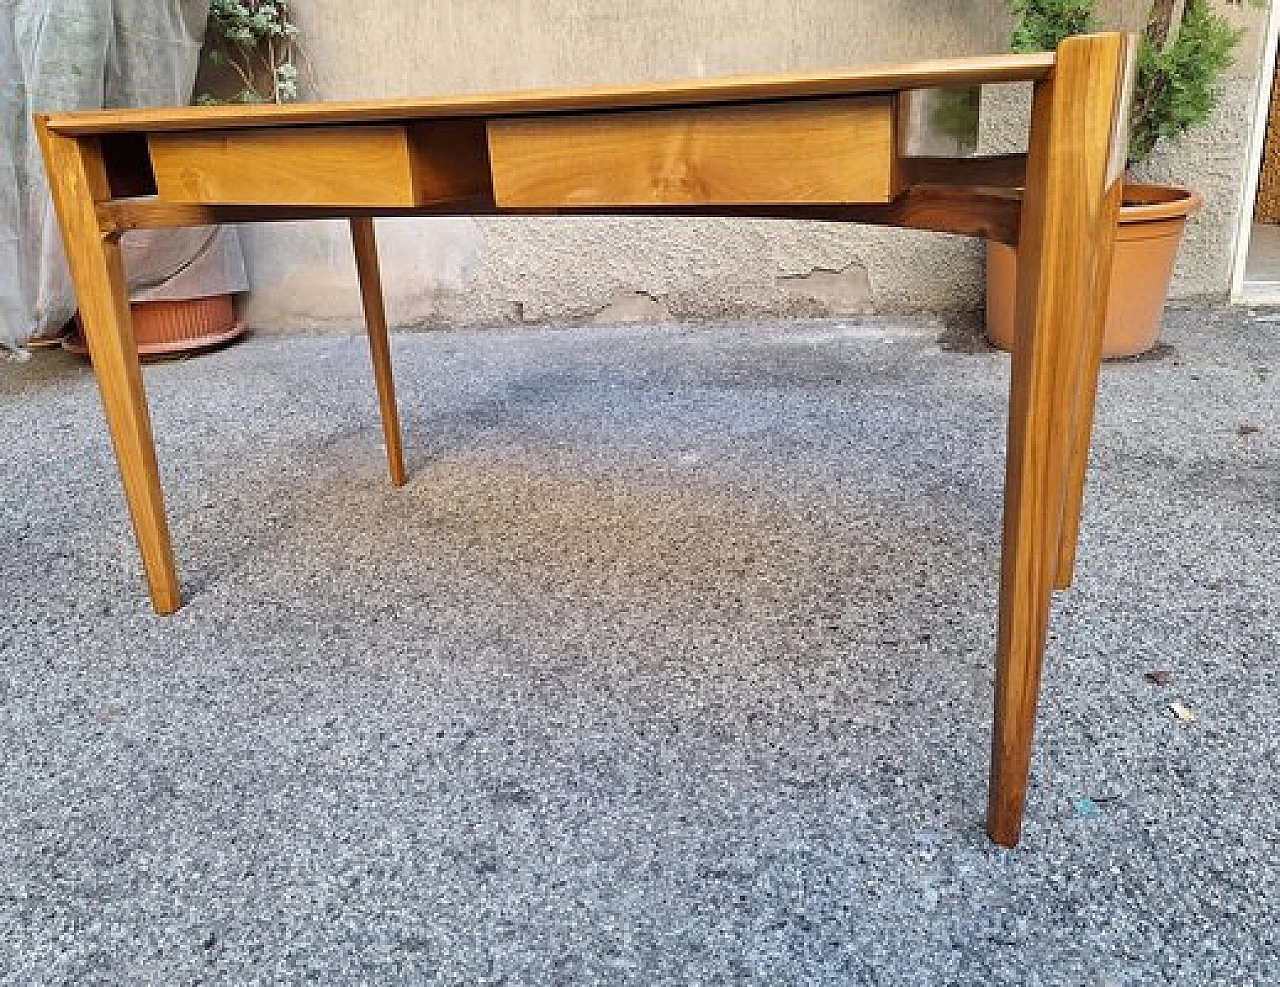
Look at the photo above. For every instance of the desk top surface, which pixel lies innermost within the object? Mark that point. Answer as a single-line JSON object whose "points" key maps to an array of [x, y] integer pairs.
{"points": [[750, 88]]}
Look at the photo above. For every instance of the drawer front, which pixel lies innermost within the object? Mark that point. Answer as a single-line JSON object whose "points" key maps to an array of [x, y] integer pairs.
{"points": [[305, 166], [817, 151], [365, 165]]}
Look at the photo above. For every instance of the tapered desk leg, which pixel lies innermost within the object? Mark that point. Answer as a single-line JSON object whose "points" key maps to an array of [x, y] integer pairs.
{"points": [[78, 180], [1082, 431], [1074, 181], [1082, 427], [375, 316]]}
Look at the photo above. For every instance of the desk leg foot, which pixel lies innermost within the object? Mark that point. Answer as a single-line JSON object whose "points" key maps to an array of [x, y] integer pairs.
{"points": [[375, 316], [1074, 182], [78, 180]]}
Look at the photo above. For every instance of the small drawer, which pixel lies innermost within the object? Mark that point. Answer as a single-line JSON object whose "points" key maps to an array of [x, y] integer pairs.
{"points": [[366, 165], [816, 151]]}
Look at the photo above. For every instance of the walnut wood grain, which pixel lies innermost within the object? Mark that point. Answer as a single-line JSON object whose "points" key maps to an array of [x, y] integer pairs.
{"points": [[1091, 358], [365, 245], [385, 165], [1068, 224], [77, 179], [994, 171], [810, 151], [750, 88], [991, 213]]}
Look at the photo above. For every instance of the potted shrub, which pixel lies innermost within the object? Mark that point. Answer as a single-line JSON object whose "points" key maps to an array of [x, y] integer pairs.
{"points": [[250, 56], [1181, 59], [251, 53]]}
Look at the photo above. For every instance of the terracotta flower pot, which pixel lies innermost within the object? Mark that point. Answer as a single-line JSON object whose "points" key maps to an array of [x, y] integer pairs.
{"points": [[174, 327], [1151, 223]]}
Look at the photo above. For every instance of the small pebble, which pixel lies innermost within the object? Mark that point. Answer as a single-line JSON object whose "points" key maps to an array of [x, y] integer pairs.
{"points": [[1183, 713]]}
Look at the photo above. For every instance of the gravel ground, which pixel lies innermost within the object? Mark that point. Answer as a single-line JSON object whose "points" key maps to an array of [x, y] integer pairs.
{"points": [[671, 665]]}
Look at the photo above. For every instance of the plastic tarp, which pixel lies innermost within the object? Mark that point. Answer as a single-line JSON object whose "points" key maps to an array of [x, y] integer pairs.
{"points": [[78, 54]]}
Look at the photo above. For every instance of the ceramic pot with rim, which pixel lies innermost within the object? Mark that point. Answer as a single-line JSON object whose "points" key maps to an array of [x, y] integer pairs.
{"points": [[172, 328], [1152, 220]]}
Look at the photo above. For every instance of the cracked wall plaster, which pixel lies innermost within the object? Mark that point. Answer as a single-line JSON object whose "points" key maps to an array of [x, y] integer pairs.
{"points": [[458, 272]]}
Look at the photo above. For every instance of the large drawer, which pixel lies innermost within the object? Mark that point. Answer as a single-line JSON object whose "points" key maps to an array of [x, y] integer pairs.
{"points": [[816, 151], [389, 165]]}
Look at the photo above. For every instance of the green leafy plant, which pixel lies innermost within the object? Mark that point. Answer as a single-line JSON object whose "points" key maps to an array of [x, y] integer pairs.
{"points": [[1039, 25], [955, 115], [254, 42], [1181, 60]]}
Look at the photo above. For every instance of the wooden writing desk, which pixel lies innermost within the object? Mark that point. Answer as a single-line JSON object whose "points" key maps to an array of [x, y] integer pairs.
{"points": [[823, 147]]}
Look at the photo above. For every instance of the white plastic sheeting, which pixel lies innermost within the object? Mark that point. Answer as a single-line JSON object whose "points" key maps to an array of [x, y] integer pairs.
{"points": [[77, 54]]}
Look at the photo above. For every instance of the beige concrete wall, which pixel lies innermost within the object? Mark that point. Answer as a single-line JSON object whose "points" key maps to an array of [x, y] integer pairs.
{"points": [[460, 271]]}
